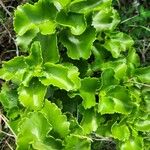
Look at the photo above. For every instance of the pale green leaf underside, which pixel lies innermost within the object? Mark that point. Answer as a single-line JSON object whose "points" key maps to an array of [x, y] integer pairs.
{"points": [[56, 118], [64, 77]]}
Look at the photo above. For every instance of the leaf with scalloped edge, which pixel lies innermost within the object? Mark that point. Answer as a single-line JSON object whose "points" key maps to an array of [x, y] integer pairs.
{"points": [[62, 76], [132, 144], [32, 129], [13, 69], [79, 46], [34, 18], [35, 57], [76, 142], [115, 100], [143, 74], [50, 52], [87, 91], [75, 21], [120, 131], [86, 6], [55, 117], [32, 96], [143, 125], [117, 42], [105, 19], [90, 121]]}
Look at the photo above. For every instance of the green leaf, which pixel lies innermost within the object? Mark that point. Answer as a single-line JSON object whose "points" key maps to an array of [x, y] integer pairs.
{"points": [[86, 6], [143, 125], [108, 79], [40, 16], [9, 100], [24, 40], [64, 77], [76, 142], [115, 100], [33, 128], [79, 46], [105, 19], [134, 143], [90, 121], [120, 131], [56, 118], [143, 74], [63, 3], [87, 91], [32, 96], [118, 42], [13, 69], [35, 57], [49, 47], [75, 21]]}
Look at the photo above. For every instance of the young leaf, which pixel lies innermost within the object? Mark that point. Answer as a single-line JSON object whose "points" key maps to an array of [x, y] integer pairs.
{"points": [[79, 46], [64, 77], [32, 96], [75, 21], [55, 117]]}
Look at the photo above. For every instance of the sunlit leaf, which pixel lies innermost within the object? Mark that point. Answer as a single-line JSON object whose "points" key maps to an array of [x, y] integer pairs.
{"points": [[56, 118], [143, 125], [118, 42], [33, 128], [14, 69], [89, 122], [79, 46], [120, 131], [64, 77], [115, 100], [76, 142], [133, 143], [32, 96], [86, 6], [105, 19], [75, 21]]}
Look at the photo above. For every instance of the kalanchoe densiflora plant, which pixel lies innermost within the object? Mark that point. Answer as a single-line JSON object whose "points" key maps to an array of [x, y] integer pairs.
{"points": [[81, 77]]}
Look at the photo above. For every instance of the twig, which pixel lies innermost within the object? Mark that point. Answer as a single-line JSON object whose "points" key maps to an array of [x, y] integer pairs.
{"points": [[7, 134], [9, 145], [129, 19], [6, 122], [3, 6]]}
